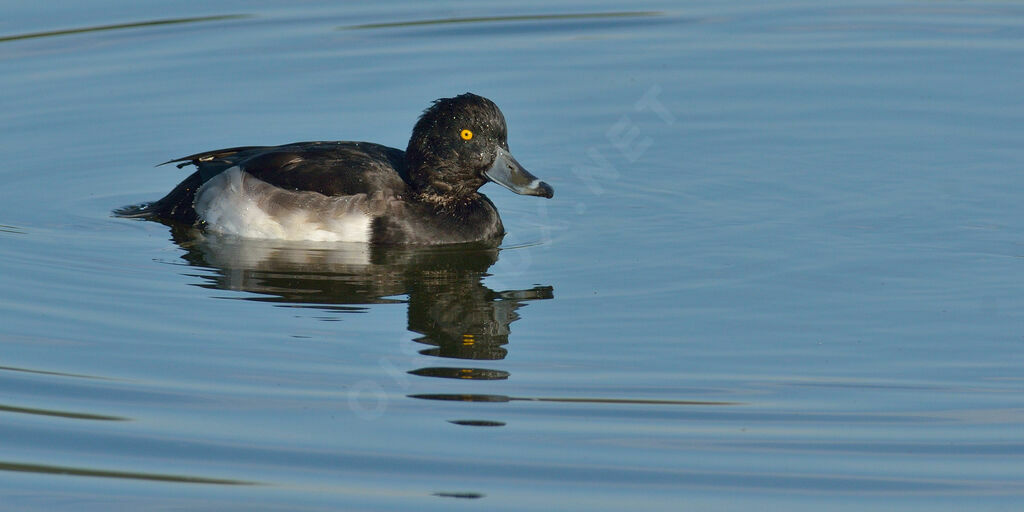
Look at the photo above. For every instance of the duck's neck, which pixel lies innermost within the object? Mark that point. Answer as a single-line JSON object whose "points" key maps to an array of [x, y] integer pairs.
{"points": [[443, 195], [447, 202], [435, 184]]}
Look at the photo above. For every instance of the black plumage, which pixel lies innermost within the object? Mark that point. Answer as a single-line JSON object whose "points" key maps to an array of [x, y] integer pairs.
{"points": [[427, 194]]}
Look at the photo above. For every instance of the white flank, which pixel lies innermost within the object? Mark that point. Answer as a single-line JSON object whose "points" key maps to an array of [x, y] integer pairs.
{"points": [[236, 203]]}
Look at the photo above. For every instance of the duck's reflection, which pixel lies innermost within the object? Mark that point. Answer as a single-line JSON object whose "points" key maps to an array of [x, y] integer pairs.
{"points": [[456, 315]]}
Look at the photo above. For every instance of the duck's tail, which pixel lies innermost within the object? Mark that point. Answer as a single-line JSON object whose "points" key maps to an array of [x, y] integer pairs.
{"points": [[176, 206]]}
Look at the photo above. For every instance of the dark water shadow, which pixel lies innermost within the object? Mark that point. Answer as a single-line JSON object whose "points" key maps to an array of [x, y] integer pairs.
{"points": [[455, 314]]}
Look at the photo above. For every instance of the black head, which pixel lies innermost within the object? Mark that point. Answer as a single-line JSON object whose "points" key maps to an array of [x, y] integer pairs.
{"points": [[459, 144]]}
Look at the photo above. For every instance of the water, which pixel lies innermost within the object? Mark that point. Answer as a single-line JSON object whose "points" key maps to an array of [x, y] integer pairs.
{"points": [[783, 267]]}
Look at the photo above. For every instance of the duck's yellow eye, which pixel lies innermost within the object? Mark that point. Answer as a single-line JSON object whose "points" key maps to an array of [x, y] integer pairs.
{"points": [[466, 135]]}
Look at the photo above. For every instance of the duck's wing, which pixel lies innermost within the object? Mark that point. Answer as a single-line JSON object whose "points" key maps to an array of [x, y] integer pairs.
{"points": [[330, 168]]}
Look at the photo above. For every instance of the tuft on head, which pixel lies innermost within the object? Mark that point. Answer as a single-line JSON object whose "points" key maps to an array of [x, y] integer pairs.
{"points": [[464, 109]]}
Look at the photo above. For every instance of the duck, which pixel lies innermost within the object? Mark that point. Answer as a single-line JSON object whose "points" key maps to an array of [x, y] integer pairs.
{"points": [[348, 191]]}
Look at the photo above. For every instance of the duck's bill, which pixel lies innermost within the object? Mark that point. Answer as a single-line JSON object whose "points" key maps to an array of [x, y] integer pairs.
{"points": [[507, 172]]}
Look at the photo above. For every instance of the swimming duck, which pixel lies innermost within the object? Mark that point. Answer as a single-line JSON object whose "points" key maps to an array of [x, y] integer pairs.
{"points": [[360, 191]]}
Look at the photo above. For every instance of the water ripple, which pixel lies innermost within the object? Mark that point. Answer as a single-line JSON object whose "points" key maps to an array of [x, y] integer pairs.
{"points": [[131, 475], [120, 26], [489, 19]]}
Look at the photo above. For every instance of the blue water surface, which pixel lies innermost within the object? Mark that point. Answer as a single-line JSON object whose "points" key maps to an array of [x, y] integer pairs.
{"points": [[783, 268]]}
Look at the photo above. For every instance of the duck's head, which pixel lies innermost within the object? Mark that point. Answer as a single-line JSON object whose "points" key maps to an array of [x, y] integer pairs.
{"points": [[459, 144]]}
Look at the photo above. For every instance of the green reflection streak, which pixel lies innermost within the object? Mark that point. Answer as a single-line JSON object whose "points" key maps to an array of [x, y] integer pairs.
{"points": [[46, 372], [65, 470], [61, 414], [172, 21], [488, 19]]}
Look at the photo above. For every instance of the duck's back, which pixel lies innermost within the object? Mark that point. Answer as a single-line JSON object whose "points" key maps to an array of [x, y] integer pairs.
{"points": [[329, 168]]}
